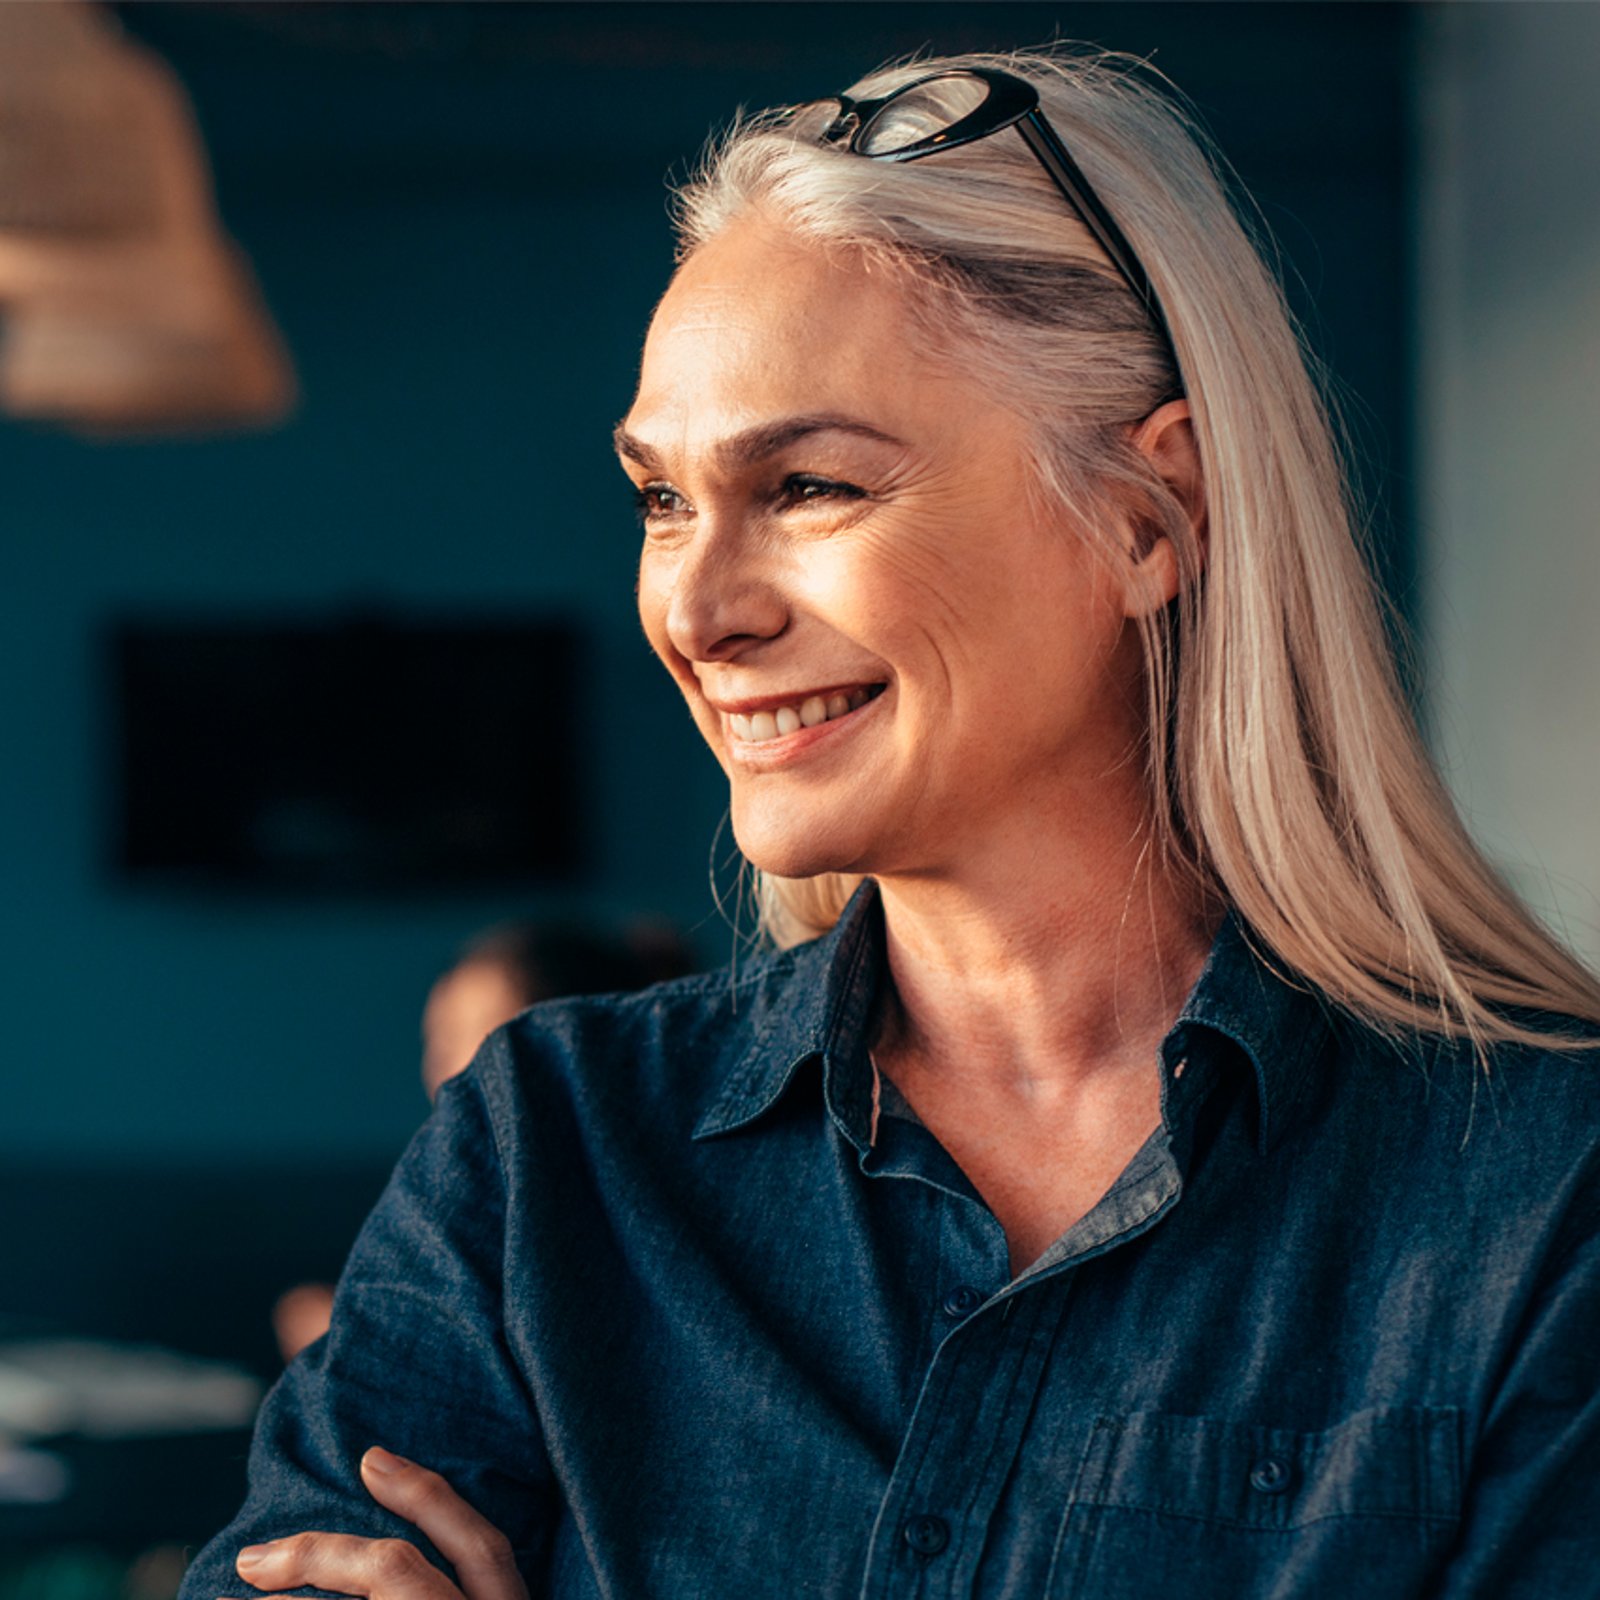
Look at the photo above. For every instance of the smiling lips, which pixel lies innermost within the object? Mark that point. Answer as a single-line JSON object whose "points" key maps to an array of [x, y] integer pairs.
{"points": [[778, 719]]}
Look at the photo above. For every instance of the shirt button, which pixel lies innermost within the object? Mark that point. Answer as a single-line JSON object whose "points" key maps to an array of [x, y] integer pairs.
{"points": [[962, 1302], [1271, 1476], [927, 1535]]}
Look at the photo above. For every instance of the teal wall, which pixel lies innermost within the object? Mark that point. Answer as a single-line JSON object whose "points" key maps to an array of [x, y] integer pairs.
{"points": [[465, 344], [460, 226], [450, 456]]}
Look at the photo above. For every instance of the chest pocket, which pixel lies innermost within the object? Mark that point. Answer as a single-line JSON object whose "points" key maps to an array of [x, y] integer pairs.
{"points": [[1201, 1507]]}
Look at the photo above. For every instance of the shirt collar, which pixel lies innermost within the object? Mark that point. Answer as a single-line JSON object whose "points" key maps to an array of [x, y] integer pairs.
{"points": [[822, 1006], [821, 1010], [1279, 1023]]}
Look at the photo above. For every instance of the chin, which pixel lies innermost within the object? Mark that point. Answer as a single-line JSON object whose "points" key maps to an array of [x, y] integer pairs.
{"points": [[796, 846]]}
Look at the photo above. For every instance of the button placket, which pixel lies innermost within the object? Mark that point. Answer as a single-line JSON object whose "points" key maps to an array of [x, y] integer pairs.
{"points": [[927, 1535], [962, 1301], [980, 1384], [1271, 1475]]}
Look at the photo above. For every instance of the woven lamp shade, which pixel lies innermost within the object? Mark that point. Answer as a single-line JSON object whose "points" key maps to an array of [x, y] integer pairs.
{"points": [[124, 305]]}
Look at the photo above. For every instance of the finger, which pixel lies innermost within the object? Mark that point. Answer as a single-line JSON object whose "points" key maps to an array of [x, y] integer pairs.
{"points": [[379, 1569], [481, 1554]]}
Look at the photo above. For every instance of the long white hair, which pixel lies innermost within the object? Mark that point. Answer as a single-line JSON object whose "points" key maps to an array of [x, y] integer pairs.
{"points": [[1285, 771]]}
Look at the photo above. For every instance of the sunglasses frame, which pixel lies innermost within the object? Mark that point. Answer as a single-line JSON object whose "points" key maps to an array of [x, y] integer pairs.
{"points": [[1010, 102]]}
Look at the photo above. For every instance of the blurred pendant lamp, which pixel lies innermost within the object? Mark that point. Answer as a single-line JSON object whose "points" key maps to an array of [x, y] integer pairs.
{"points": [[124, 306]]}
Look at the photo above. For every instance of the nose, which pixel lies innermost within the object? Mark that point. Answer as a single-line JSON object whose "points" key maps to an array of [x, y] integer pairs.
{"points": [[724, 596]]}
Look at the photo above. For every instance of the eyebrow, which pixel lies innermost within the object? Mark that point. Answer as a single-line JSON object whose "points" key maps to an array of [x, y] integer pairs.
{"points": [[756, 444]]}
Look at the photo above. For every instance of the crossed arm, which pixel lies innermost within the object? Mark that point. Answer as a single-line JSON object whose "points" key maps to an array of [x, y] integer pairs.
{"points": [[395, 1569], [418, 1357]]}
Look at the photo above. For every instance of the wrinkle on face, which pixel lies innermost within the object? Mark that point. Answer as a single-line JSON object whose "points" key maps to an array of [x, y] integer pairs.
{"points": [[997, 630]]}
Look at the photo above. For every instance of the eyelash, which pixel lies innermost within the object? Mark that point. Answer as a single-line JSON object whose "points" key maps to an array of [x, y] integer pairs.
{"points": [[794, 489], [829, 488], [644, 501]]}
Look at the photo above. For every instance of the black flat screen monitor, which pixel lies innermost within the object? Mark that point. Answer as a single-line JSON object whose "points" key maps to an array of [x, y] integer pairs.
{"points": [[366, 754]]}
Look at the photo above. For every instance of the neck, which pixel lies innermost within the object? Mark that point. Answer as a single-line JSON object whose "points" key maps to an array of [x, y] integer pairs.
{"points": [[1032, 974]]}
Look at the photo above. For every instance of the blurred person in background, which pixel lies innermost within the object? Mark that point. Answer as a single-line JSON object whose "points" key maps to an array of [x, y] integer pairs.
{"points": [[512, 966], [495, 976]]}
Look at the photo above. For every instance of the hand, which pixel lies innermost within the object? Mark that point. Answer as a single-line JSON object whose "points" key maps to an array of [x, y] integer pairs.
{"points": [[392, 1569]]}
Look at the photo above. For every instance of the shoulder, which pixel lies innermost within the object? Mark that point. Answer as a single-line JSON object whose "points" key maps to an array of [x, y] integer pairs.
{"points": [[684, 1022], [1540, 1097], [662, 1051], [1510, 1132], [1549, 1083]]}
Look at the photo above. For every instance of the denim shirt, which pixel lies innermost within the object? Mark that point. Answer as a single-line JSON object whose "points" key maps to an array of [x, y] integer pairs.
{"points": [[663, 1297]]}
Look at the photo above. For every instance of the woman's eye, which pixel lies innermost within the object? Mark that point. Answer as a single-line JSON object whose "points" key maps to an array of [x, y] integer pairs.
{"points": [[805, 488], [656, 500]]}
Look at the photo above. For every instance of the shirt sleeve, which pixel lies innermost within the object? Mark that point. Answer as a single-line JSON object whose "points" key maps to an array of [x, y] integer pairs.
{"points": [[416, 1361], [1531, 1521]]}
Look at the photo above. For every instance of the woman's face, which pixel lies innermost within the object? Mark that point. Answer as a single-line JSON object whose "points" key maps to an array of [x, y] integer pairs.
{"points": [[899, 658]]}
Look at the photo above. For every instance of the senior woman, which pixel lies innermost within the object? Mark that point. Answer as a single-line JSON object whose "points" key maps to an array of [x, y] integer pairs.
{"points": [[1159, 1155]]}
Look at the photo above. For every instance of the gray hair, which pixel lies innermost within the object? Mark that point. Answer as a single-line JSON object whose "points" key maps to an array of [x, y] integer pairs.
{"points": [[1285, 770]]}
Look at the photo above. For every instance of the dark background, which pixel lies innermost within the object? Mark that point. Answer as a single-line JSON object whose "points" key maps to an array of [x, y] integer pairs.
{"points": [[458, 216], [457, 213]]}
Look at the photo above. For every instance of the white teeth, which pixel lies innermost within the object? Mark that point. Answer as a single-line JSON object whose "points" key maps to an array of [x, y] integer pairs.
{"points": [[811, 712]]}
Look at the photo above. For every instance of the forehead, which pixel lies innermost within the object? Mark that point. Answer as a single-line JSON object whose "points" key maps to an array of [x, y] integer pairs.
{"points": [[757, 324]]}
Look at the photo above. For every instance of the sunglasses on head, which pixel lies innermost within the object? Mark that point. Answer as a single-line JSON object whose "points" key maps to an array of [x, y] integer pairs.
{"points": [[958, 106]]}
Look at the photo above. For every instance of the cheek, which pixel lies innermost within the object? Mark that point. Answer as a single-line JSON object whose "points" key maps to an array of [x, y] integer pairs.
{"points": [[927, 599], [988, 614], [886, 588]]}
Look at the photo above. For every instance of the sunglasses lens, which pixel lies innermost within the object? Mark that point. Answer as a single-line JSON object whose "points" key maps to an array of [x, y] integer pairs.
{"points": [[921, 113], [817, 120]]}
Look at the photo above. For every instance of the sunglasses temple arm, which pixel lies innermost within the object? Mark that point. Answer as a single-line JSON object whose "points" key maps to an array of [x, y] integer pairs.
{"points": [[1069, 179]]}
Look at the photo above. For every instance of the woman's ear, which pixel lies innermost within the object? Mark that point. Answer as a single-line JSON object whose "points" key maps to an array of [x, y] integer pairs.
{"points": [[1166, 440]]}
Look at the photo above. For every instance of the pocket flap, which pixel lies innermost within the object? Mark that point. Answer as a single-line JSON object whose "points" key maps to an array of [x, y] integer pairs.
{"points": [[1390, 1461]]}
